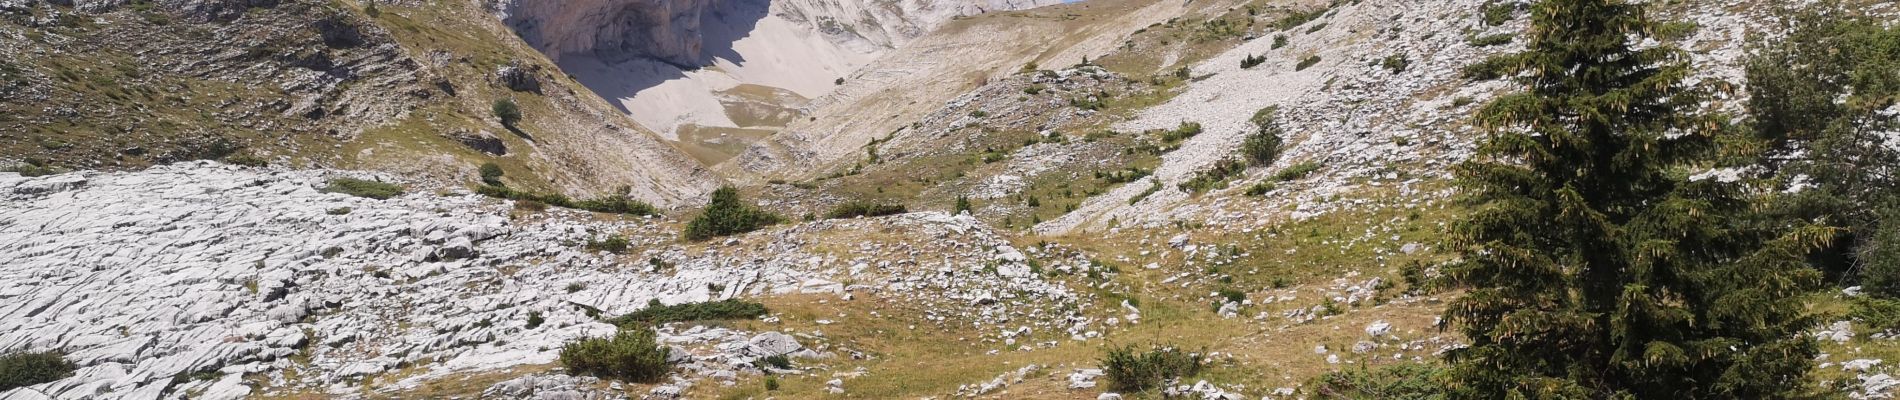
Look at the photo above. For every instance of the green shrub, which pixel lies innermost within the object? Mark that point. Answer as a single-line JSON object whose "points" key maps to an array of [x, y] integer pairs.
{"points": [[656, 313], [1131, 371], [1296, 171], [507, 112], [1231, 295], [1251, 60], [491, 174], [1405, 381], [606, 204], [27, 369], [1498, 12], [1181, 132], [364, 188], [612, 244], [771, 383], [1263, 145], [963, 205], [854, 209], [630, 355], [1489, 40], [338, 211], [726, 214], [1213, 178], [1279, 41], [1490, 68], [1307, 63], [1155, 186], [1261, 188], [777, 361], [1033, 89], [535, 320], [246, 160], [1396, 63]]}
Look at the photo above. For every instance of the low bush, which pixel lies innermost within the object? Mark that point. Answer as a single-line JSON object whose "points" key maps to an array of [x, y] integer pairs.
{"points": [[1306, 63], [507, 112], [657, 313], [1490, 68], [630, 355], [491, 174], [1263, 145], [855, 209], [1405, 381], [612, 244], [364, 188], [608, 204], [726, 214], [1261, 188], [1279, 41], [1130, 370], [1251, 60], [1296, 171], [27, 369], [1213, 178], [1489, 40], [1396, 63], [1182, 132], [963, 205]]}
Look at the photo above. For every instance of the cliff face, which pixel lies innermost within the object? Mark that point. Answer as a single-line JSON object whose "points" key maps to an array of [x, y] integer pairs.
{"points": [[667, 30]]}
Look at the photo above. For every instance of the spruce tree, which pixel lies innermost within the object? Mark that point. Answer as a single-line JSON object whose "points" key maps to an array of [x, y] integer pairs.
{"points": [[1595, 266]]}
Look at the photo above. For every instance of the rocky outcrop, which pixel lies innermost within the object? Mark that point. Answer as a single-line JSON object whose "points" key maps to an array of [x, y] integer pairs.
{"points": [[667, 30], [214, 273]]}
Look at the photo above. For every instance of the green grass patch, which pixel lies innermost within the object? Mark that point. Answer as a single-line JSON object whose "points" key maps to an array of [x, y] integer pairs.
{"points": [[656, 313], [364, 188]]}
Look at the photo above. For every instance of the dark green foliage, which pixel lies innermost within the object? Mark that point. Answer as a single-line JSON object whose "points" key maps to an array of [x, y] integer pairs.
{"points": [[612, 244], [631, 355], [1279, 41], [338, 211], [963, 205], [1263, 145], [1306, 63], [1182, 132], [1493, 67], [1154, 186], [1593, 267], [855, 209], [771, 383], [778, 361], [1877, 314], [1489, 40], [507, 112], [1123, 176], [28, 369], [1404, 381], [1296, 171], [364, 188], [1819, 94], [491, 174], [1498, 12], [726, 214], [606, 204], [32, 167], [1131, 370], [1396, 63], [247, 160], [656, 313], [1261, 188], [535, 320], [1298, 18], [1251, 60], [1231, 295], [1215, 177]]}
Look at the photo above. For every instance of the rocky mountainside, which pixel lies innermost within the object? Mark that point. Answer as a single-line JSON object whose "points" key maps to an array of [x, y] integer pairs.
{"points": [[398, 87]]}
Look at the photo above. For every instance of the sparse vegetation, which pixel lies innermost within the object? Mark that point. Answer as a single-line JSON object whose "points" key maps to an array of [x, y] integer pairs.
{"points": [[1403, 381], [1279, 41], [19, 370], [656, 313], [1395, 63], [616, 244], [1131, 370], [605, 204], [491, 174], [1263, 145], [962, 206], [1489, 40], [855, 209], [1307, 62], [1296, 171], [364, 188], [631, 355]]}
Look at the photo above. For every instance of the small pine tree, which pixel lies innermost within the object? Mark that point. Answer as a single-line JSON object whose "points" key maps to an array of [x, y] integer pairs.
{"points": [[491, 174], [963, 204], [726, 214], [507, 111], [1263, 145], [1594, 267]]}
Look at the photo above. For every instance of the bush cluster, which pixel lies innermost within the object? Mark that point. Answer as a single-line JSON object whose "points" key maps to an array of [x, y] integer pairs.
{"points": [[726, 214], [630, 355], [364, 188], [656, 313], [864, 209], [27, 369], [1131, 370], [604, 204]]}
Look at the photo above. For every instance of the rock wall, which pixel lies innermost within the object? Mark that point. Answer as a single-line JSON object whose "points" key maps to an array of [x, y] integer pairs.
{"points": [[668, 30]]}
